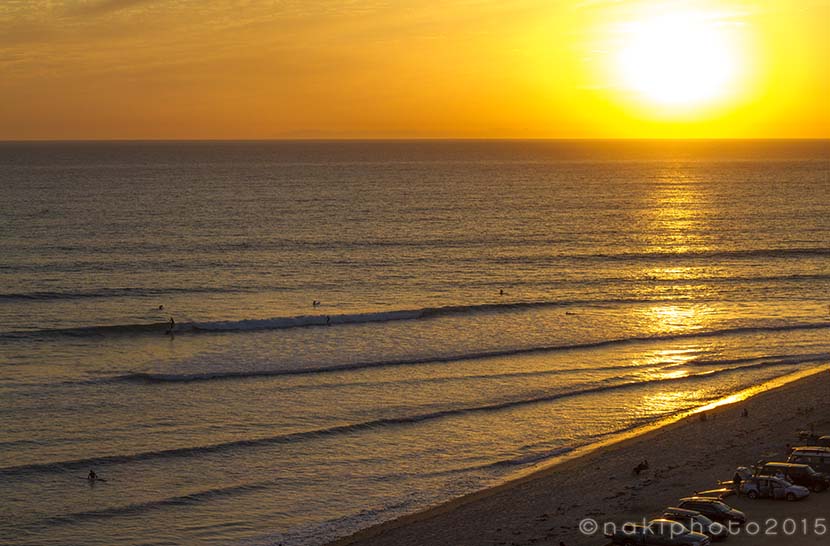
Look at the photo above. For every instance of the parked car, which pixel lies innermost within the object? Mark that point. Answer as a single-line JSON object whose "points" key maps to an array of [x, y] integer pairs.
{"points": [[798, 474], [769, 487], [714, 509], [658, 532], [816, 456], [697, 522]]}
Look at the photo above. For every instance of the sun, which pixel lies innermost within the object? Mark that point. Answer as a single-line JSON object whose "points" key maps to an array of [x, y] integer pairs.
{"points": [[679, 59]]}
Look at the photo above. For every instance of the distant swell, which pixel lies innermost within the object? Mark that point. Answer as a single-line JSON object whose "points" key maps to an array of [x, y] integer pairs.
{"points": [[302, 321], [720, 254], [156, 292], [281, 323], [80, 464], [110, 293], [139, 508], [152, 377]]}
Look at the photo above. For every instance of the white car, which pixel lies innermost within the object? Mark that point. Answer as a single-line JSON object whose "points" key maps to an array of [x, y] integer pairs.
{"points": [[773, 488]]}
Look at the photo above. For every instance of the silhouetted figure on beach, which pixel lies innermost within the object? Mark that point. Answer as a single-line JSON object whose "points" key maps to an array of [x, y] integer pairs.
{"points": [[172, 325], [92, 476], [501, 292], [328, 320], [161, 308]]}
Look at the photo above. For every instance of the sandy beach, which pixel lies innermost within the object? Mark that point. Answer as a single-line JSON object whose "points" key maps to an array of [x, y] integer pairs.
{"points": [[688, 455]]}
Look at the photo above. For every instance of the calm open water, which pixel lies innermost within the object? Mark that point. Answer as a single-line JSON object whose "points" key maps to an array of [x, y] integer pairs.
{"points": [[484, 306]]}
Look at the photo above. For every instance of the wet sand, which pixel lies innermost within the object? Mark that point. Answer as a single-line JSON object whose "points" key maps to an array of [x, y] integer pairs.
{"points": [[685, 456]]}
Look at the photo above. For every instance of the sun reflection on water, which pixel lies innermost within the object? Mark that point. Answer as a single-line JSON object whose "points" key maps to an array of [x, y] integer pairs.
{"points": [[661, 403], [664, 364], [677, 216], [667, 318]]}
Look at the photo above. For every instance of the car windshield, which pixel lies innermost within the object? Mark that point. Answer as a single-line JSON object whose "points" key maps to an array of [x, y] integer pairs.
{"points": [[703, 520], [665, 528], [719, 506]]}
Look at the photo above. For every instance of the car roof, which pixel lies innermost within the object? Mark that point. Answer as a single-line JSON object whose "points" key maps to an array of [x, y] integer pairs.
{"points": [[819, 449], [786, 465], [698, 499]]}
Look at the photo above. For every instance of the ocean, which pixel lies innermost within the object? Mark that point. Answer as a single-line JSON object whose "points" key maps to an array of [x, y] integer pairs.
{"points": [[366, 329]]}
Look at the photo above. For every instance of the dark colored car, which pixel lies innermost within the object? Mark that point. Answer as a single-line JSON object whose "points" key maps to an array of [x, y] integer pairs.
{"points": [[798, 474], [697, 522], [816, 456], [714, 509]]}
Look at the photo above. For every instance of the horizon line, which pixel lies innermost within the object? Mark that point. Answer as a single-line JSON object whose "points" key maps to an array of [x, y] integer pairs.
{"points": [[415, 139]]}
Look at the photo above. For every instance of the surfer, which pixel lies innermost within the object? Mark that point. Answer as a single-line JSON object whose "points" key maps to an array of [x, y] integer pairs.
{"points": [[328, 320], [161, 308], [172, 325], [92, 476], [315, 303]]}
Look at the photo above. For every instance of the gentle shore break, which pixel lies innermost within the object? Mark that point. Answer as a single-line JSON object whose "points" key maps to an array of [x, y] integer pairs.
{"points": [[689, 455]]}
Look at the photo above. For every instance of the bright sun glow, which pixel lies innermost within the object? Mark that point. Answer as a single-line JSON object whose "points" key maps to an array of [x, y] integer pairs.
{"points": [[678, 59]]}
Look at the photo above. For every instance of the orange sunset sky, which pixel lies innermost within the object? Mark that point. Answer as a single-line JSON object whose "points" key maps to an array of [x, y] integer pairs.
{"points": [[251, 69]]}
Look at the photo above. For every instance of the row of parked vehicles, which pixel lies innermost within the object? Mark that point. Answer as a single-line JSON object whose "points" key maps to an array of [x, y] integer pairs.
{"points": [[703, 518]]}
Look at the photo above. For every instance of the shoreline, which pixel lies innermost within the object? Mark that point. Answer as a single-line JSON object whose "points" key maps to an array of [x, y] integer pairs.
{"points": [[483, 513]]}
